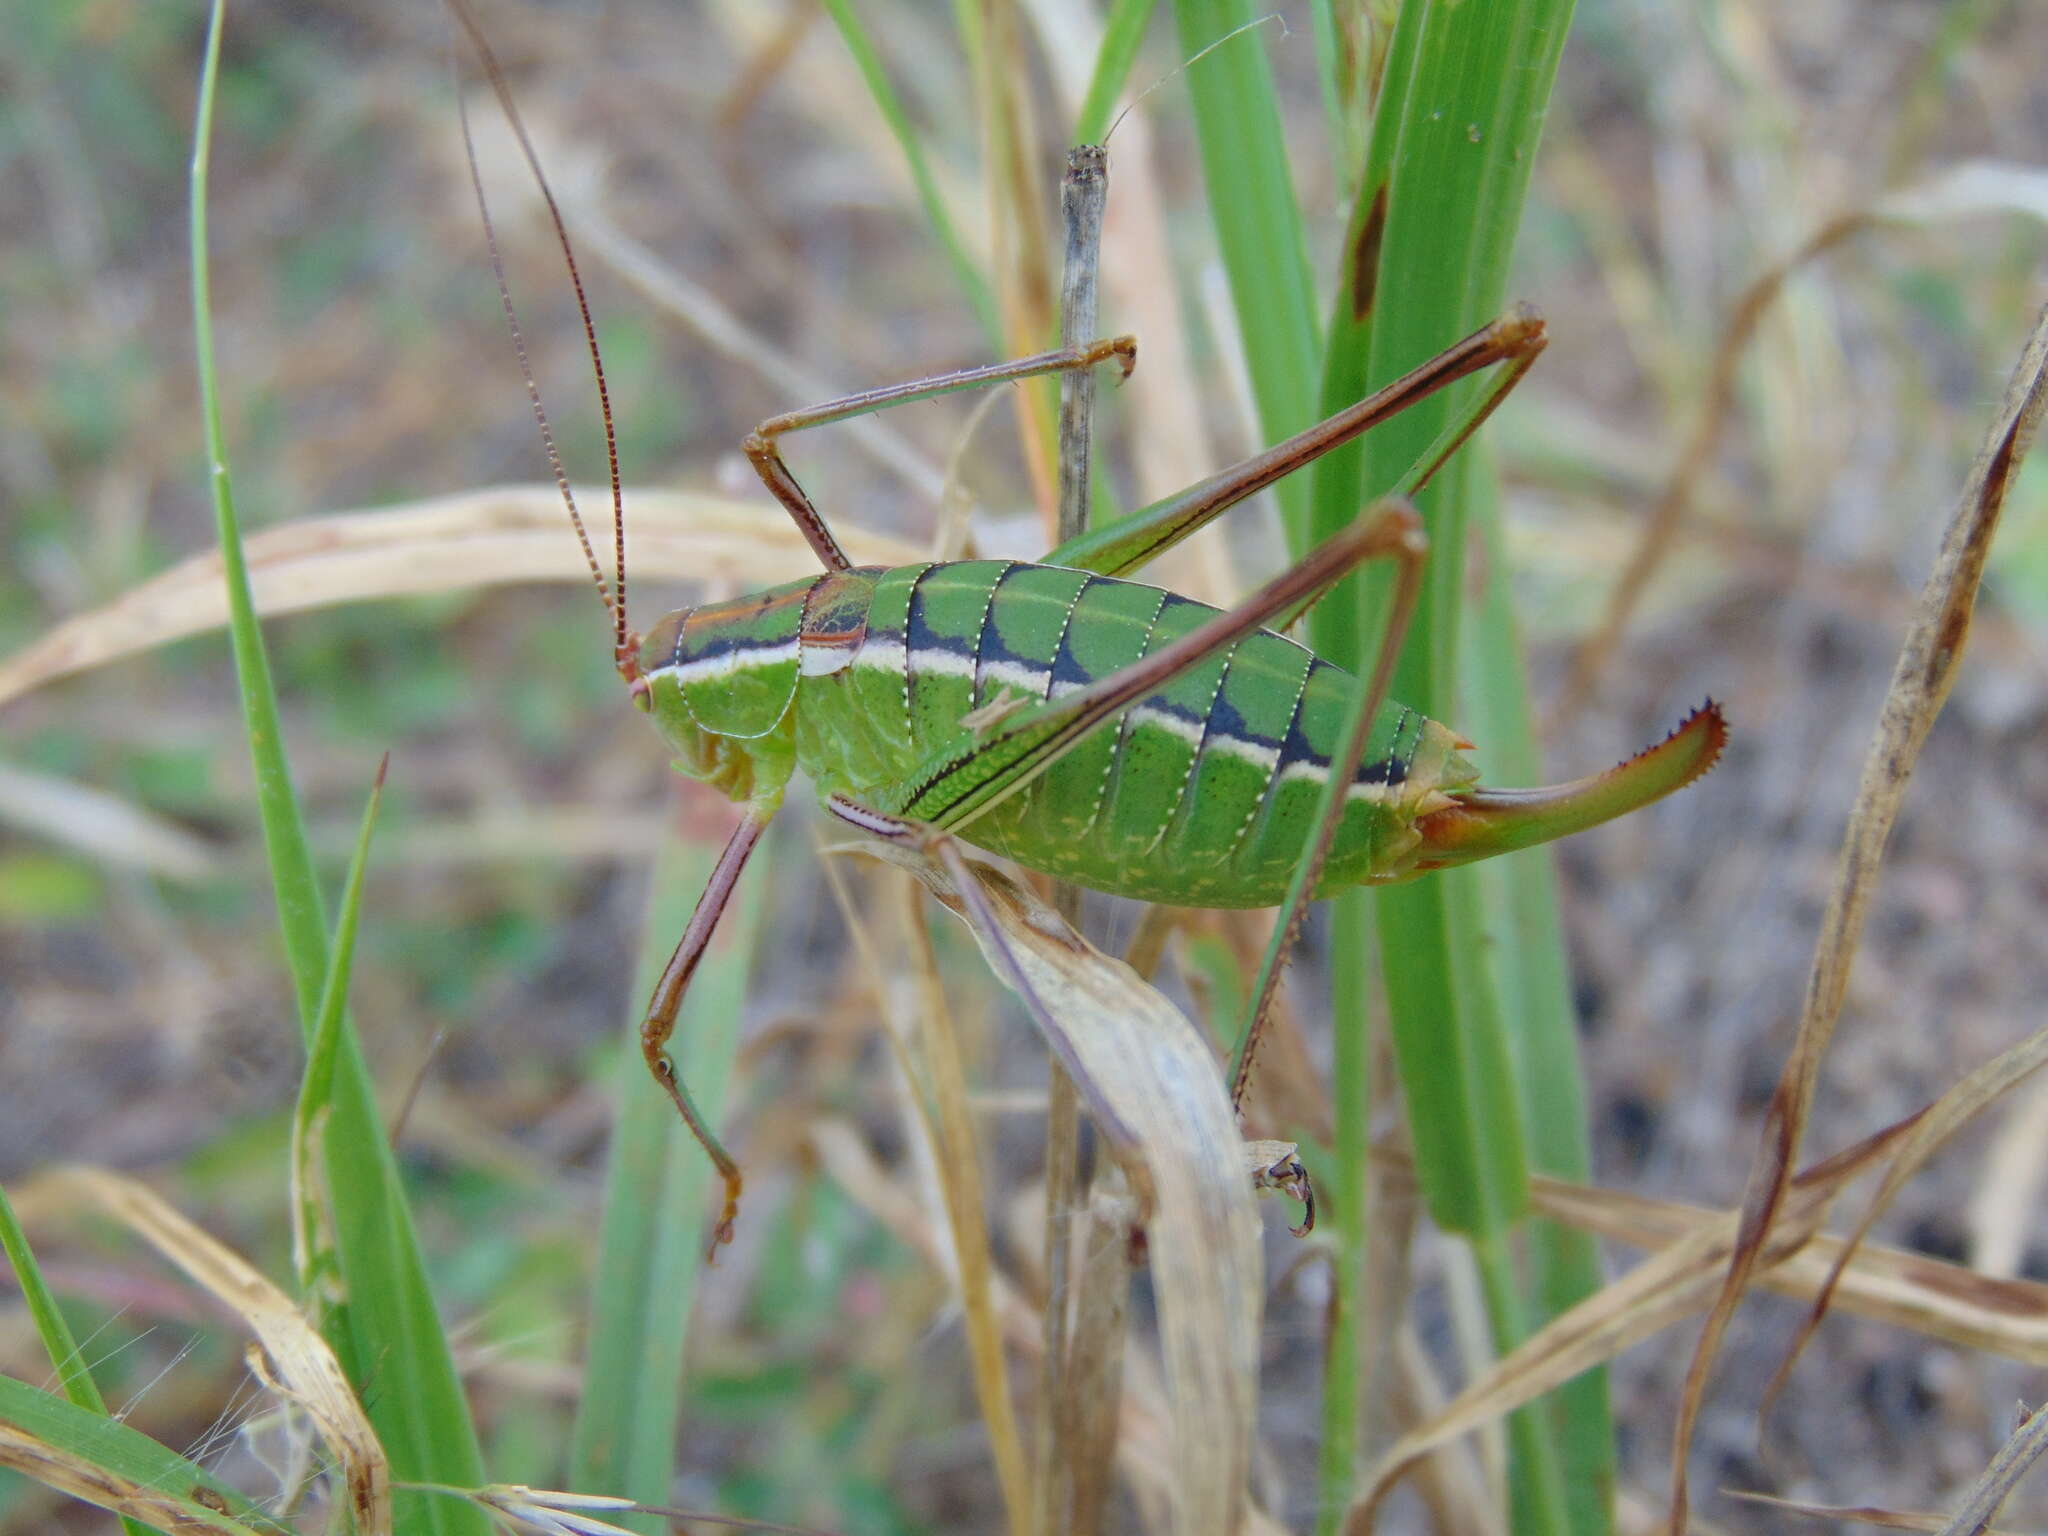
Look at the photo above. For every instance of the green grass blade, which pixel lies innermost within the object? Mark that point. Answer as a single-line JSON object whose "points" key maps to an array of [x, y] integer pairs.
{"points": [[1456, 1074], [1425, 261], [129, 1456], [284, 837], [868, 59], [56, 1336], [1339, 623], [1342, 1180], [657, 1197], [1259, 232], [1258, 223], [1121, 35], [1533, 980], [57, 1339], [386, 1330], [316, 1083], [1459, 114], [1536, 1475]]}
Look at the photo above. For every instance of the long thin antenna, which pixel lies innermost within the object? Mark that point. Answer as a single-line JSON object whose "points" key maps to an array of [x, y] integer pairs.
{"points": [[613, 593], [1190, 61]]}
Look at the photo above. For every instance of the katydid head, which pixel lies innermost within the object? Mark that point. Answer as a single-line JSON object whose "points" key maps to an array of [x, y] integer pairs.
{"points": [[719, 681]]}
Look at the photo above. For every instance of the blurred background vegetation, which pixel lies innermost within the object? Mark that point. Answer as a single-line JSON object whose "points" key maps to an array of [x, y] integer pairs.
{"points": [[144, 1014]]}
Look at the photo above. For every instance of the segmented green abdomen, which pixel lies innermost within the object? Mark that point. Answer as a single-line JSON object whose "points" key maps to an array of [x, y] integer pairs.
{"points": [[1203, 793]]}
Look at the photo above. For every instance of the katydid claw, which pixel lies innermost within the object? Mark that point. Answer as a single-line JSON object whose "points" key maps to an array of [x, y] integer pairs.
{"points": [[1278, 1165], [722, 1233]]}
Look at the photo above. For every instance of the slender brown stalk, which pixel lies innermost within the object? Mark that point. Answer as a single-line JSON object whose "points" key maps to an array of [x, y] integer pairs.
{"points": [[1084, 191]]}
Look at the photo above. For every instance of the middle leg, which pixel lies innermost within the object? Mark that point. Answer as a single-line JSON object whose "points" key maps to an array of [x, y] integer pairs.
{"points": [[766, 457]]}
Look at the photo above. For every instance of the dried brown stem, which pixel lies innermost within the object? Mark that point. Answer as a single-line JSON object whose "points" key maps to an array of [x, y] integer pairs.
{"points": [[1920, 684]]}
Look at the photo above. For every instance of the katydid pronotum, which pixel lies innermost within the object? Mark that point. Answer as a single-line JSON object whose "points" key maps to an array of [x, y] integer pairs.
{"points": [[1112, 734]]}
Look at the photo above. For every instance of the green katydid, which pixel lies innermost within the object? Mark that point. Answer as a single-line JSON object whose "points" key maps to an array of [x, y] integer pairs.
{"points": [[1112, 734]]}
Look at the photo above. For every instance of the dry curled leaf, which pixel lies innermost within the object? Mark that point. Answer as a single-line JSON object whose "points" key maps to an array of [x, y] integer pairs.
{"points": [[1152, 1083]]}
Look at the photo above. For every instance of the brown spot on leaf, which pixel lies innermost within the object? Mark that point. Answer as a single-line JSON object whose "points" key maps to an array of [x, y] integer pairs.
{"points": [[1365, 256]]}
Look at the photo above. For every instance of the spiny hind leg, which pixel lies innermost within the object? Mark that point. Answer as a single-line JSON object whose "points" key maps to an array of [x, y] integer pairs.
{"points": [[1409, 549], [766, 457]]}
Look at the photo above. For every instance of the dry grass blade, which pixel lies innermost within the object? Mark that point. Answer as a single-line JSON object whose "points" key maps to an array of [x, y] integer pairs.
{"points": [[1455, 1485], [1920, 683], [1674, 1283], [1942, 1119], [1151, 1082], [1079, 1422], [2008, 1189], [1939, 1300], [1862, 1514], [1971, 188], [1096, 1378], [305, 1367], [55, 1467], [559, 1512], [1021, 259], [960, 1180], [101, 824], [1995, 1484], [447, 544]]}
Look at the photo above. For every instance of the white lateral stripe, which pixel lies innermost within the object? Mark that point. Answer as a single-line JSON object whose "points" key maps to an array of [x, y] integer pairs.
{"points": [[940, 662], [727, 662], [1011, 674], [1189, 731], [820, 661], [1257, 753], [881, 651], [824, 660], [1301, 768], [935, 661], [1254, 752]]}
